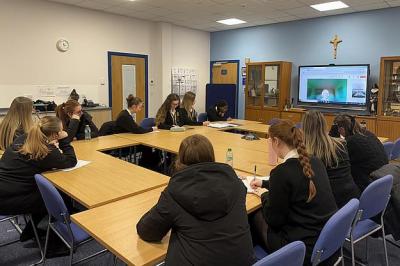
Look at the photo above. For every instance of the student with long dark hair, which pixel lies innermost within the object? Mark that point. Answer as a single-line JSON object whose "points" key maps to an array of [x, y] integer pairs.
{"points": [[187, 113], [299, 200], [74, 120], [125, 121], [205, 206], [333, 153], [168, 115], [366, 152], [45, 147]]}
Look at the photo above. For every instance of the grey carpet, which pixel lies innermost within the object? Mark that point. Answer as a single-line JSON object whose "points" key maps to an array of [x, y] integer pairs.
{"points": [[25, 254]]}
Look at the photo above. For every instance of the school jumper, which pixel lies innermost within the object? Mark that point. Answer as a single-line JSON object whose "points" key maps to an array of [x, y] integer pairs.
{"points": [[171, 120], [189, 119], [213, 115], [76, 127], [126, 123]]}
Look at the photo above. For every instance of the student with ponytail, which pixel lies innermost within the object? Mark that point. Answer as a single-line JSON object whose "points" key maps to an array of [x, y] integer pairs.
{"points": [[299, 200], [74, 120], [44, 148]]}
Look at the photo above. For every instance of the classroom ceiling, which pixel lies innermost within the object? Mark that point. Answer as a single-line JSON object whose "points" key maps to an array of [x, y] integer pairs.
{"points": [[203, 14]]}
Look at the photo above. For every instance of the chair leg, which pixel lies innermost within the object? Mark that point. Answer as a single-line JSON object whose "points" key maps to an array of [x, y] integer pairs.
{"points": [[71, 255], [366, 249], [384, 245], [341, 254], [37, 240], [353, 260], [46, 243], [115, 260]]}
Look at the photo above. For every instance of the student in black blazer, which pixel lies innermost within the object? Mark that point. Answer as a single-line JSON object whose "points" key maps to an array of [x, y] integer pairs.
{"points": [[217, 112], [168, 114], [44, 148], [299, 200], [333, 153], [366, 152], [204, 206], [74, 120], [187, 114], [125, 121]]}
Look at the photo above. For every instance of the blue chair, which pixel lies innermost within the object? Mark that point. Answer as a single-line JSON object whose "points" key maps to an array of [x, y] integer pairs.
{"points": [[388, 146], [334, 233], [148, 122], [292, 254], [202, 117], [396, 150], [373, 201], [273, 121], [59, 220], [299, 125]]}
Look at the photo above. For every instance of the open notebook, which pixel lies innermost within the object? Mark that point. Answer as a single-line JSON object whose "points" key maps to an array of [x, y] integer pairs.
{"points": [[246, 181], [222, 125]]}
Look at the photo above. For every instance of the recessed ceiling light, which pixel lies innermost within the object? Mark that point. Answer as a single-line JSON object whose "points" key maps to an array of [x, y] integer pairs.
{"points": [[231, 21], [330, 6]]}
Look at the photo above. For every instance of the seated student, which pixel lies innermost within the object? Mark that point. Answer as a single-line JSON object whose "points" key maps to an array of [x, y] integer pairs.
{"points": [[333, 153], [125, 121], [44, 148], [366, 152], [74, 120], [299, 200], [217, 112], [168, 115], [205, 206], [187, 114], [16, 122]]}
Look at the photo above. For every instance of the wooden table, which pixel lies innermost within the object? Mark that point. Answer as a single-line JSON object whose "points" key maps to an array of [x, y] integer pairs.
{"points": [[258, 128], [106, 178], [114, 226]]}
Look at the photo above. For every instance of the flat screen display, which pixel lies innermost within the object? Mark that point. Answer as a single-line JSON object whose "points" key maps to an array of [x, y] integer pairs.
{"points": [[336, 84]]}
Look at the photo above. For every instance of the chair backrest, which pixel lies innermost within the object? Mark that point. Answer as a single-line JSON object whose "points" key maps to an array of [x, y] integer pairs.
{"points": [[52, 199], [375, 197], [148, 122], [396, 150], [334, 232], [107, 128], [202, 117], [388, 146], [273, 121], [292, 254]]}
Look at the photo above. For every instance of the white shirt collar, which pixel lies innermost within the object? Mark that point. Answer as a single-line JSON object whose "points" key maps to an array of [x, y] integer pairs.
{"points": [[291, 154], [129, 111]]}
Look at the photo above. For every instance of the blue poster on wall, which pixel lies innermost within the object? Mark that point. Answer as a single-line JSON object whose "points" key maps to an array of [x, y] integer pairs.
{"points": [[227, 92]]}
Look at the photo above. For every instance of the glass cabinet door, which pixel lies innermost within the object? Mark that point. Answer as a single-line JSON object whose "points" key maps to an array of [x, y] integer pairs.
{"points": [[271, 86], [255, 86], [391, 87]]}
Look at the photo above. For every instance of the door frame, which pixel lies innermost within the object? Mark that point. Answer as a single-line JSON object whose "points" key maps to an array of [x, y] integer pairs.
{"points": [[238, 78], [110, 54]]}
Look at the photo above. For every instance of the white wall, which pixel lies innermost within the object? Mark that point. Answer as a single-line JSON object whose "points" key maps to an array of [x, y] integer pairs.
{"points": [[29, 30]]}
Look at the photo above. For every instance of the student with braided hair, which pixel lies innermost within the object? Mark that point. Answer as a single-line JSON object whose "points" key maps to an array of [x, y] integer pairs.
{"points": [[299, 200]]}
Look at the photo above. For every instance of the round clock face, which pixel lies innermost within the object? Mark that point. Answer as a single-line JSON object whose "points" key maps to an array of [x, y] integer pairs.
{"points": [[62, 45]]}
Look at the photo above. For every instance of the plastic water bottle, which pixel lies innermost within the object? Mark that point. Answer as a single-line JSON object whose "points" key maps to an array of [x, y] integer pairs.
{"points": [[88, 132], [229, 157]]}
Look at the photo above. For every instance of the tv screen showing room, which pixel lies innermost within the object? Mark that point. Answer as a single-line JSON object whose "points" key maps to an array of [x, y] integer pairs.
{"points": [[345, 85]]}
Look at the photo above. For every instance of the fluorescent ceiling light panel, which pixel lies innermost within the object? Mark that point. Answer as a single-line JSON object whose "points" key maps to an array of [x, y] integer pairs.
{"points": [[330, 6], [231, 21]]}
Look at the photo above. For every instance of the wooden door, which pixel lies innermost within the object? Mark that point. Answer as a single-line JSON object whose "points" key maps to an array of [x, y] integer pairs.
{"points": [[225, 73], [128, 76]]}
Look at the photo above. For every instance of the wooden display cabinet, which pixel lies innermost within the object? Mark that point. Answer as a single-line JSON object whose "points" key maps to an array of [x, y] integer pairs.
{"points": [[267, 89]]}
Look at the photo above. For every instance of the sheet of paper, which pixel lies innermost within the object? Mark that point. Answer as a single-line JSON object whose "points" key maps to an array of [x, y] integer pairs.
{"points": [[80, 164], [221, 125], [247, 180]]}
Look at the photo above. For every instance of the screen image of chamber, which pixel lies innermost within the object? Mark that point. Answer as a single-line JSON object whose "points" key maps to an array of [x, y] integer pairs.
{"points": [[344, 85], [327, 90]]}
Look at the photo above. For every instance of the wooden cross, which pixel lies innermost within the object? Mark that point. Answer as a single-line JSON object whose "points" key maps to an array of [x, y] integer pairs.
{"points": [[335, 42]]}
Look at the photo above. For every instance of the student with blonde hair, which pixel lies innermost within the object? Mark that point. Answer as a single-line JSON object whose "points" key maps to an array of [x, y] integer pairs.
{"points": [[204, 205], [45, 147], [333, 153], [168, 115], [299, 200], [187, 113], [17, 121], [74, 120]]}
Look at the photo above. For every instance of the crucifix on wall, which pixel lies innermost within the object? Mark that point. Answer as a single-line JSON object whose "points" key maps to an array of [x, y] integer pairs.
{"points": [[335, 42]]}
